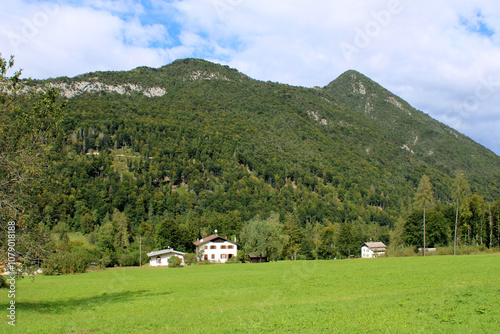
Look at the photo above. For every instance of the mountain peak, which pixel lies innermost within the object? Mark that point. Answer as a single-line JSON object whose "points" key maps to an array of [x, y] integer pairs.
{"points": [[194, 69], [356, 82]]}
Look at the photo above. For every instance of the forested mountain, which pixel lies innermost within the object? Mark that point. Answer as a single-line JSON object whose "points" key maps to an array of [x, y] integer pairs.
{"points": [[195, 146]]}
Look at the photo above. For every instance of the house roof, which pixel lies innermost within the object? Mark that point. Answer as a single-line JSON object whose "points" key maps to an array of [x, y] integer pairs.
{"points": [[165, 251], [212, 238], [375, 245]]}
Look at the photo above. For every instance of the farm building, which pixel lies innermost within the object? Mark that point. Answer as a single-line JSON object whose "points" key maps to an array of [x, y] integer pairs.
{"points": [[257, 259], [372, 249], [160, 258], [215, 249]]}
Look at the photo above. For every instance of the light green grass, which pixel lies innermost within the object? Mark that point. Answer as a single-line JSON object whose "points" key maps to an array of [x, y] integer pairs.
{"points": [[120, 157], [440, 294]]}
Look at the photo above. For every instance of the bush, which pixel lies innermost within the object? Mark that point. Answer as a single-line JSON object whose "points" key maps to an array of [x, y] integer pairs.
{"points": [[174, 262], [127, 258], [401, 251], [242, 256], [3, 282], [68, 262], [233, 259], [190, 258], [108, 259]]}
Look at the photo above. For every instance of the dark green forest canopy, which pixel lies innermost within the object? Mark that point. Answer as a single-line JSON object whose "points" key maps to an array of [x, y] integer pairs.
{"points": [[215, 148]]}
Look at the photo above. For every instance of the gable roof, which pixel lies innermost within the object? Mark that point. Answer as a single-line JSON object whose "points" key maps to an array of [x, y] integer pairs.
{"points": [[165, 251], [212, 238], [375, 245]]}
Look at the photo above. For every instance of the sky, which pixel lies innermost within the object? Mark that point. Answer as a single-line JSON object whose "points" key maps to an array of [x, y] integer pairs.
{"points": [[441, 56]]}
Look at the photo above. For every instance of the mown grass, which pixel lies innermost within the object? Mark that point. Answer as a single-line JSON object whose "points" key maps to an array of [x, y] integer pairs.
{"points": [[440, 294]]}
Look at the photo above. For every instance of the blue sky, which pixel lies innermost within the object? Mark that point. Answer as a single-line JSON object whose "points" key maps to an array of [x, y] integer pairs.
{"points": [[442, 57]]}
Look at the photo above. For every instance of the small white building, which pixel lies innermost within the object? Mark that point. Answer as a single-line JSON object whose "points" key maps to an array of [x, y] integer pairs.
{"points": [[160, 258], [215, 249], [372, 249]]}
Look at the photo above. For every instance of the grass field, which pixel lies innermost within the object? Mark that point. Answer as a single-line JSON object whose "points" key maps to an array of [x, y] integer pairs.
{"points": [[439, 294]]}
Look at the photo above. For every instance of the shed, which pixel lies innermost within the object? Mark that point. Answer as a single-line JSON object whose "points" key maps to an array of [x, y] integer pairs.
{"points": [[257, 259]]}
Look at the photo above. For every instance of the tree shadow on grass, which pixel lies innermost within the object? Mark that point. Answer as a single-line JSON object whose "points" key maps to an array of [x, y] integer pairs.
{"points": [[89, 303]]}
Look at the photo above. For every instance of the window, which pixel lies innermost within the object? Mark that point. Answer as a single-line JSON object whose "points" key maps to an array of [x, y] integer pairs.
{"points": [[158, 259], [223, 256], [213, 256], [213, 247], [206, 247], [223, 247], [230, 246]]}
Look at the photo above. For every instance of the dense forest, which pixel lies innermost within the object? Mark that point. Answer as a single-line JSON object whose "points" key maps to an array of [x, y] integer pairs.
{"points": [[328, 168]]}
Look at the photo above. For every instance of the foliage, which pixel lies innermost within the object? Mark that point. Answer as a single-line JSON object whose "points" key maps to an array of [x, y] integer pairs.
{"points": [[263, 238], [214, 154], [28, 123], [174, 262], [438, 228], [77, 260], [3, 282], [190, 258]]}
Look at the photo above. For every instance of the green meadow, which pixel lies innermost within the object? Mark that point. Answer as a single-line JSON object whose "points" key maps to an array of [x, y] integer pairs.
{"points": [[437, 294]]}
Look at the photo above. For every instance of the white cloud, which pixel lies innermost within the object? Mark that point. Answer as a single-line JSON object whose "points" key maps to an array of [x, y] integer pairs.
{"points": [[68, 40], [434, 54]]}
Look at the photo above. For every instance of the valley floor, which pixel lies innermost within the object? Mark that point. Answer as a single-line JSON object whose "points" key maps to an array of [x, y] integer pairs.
{"points": [[440, 294]]}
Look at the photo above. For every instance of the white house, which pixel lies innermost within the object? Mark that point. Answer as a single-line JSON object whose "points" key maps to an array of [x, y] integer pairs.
{"points": [[160, 258], [215, 249], [372, 249]]}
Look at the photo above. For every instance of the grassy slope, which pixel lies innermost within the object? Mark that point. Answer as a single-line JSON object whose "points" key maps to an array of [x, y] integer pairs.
{"points": [[406, 295]]}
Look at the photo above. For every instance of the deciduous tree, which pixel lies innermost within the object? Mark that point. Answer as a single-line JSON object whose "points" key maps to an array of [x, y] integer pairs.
{"points": [[28, 118], [423, 198]]}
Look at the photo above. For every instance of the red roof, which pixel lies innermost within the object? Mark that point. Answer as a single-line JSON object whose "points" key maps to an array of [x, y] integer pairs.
{"points": [[214, 238]]}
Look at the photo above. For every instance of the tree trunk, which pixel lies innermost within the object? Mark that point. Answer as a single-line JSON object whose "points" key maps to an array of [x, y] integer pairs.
{"points": [[491, 227], [456, 224], [424, 229]]}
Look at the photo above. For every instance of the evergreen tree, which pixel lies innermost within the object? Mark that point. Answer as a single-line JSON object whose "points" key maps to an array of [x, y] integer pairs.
{"points": [[167, 234]]}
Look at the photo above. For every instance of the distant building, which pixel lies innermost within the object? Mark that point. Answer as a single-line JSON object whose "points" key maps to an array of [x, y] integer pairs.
{"points": [[215, 249], [372, 249], [160, 258], [257, 259]]}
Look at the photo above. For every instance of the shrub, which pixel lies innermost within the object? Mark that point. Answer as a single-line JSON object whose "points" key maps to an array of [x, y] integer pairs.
{"points": [[68, 262], [174, 262], [127, 258], [108, 259], [190, 258], [3, 282], [401, 251], [242, 255], [233, 259]]}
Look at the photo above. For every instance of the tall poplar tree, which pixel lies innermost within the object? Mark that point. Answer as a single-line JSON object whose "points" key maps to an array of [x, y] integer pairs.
{"points": [[461, 189], [423, 198]]}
